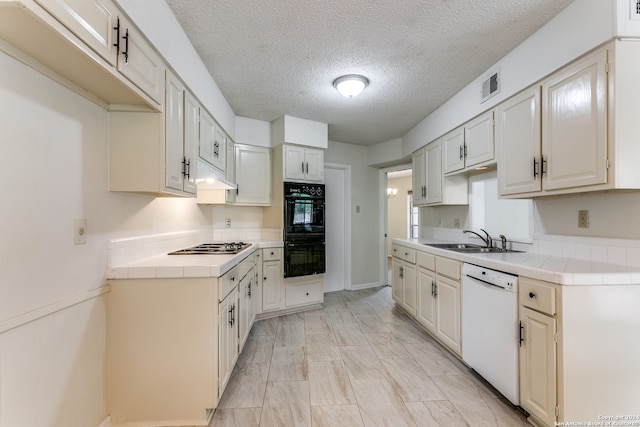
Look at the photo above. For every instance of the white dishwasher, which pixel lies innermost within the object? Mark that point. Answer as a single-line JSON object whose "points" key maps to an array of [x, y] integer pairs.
{"points": [[490, 327]]}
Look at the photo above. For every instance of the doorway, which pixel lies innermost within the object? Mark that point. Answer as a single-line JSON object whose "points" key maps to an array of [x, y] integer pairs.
{"points": [[337, 179]]}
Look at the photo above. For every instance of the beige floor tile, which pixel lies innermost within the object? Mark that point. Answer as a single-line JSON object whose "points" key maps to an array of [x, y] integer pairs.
{"points": [[408, 333], [329, 384], [362, 363], [336, 416], [322, 347], [433, 360], [290, 335], [411, 381], [349, 334], [436, 413], [246, 386], [386, 346], [371, 324], [317, 325], [288, 364], [249, 417], [380, 405], [361, 308], [340, 316], [286, 404], [257, 349], [265, 327]]}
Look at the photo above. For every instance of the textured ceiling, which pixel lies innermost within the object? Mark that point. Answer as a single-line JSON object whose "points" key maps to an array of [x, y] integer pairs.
{"points": [[277, 57]]}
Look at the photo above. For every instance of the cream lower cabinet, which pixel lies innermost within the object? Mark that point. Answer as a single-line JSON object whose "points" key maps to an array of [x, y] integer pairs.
{"points": [[538, 349], [447, 295], [404, 280], [247, 313], [228, 337], [271, 279], [427, 307]]}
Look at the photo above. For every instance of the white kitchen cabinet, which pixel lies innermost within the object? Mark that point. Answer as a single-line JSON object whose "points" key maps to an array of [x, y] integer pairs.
{"points": [[470, 145], [404, 280], [213, 142], [228, 337], [181, 136], [303, 291], [430, 187], [518, 142], [271, 279], [247, 313], [427, 307], [448, 313], [253, 167], [303, 164], [538, 349]]}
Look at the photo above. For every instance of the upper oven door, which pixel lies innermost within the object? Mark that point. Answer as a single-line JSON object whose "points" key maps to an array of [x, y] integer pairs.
{"points": [[304, 216]]}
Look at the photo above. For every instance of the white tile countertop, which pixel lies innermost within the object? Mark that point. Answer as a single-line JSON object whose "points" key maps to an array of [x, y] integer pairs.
{"points": [[181, 266], [556, 269]]}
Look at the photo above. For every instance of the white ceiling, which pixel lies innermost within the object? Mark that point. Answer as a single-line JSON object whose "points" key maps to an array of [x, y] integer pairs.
{"points": [[277, 57]]}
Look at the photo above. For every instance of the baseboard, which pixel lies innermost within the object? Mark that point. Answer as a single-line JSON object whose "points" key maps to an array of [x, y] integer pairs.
{"points": [[366, 286], [106, 422]]}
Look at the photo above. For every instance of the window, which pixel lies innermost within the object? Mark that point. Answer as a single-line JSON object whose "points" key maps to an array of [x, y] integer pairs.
{"points": [[414, 226]]}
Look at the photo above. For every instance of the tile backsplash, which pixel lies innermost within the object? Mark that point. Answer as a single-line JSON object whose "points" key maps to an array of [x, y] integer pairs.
{"points": [[126, 250], [625, 252]]}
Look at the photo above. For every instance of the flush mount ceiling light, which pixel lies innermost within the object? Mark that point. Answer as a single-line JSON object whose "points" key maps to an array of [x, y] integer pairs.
{"points": [[351, 85]]}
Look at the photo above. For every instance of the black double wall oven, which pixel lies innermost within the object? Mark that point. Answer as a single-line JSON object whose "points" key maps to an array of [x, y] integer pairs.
{"points": [[304, 235]]}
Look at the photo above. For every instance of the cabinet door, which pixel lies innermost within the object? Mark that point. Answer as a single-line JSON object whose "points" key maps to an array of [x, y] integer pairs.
{"points": [[314, 168], [253, 166], [228, 338], [538, 365], [174, 133], [419, 177], [220, 149], [207, 137], [245, 310], [453, 150], [294, 162], [426, 299], [397, 281], [257, 284], [574, 123], [230, 173], [434, 172], [410, 289], [518, 122], [91, 20], [191, 140], [139, 62], [271, 285], [479, 140], [448, 312]]}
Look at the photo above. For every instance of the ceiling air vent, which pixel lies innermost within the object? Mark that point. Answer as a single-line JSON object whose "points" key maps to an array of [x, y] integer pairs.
{"points": [[491, 85]]}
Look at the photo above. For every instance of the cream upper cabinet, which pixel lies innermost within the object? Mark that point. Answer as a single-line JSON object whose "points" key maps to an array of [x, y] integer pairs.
{"points": [[94, 21], [213, 142], [303, 164], [419, 177], [470, 145], [253, 167], [433, 153], [181, 136], [574, 124], [518, 143], [139, 62]]}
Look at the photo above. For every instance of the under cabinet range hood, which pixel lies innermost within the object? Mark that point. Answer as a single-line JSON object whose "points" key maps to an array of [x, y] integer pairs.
{"points": [[209, 178]]}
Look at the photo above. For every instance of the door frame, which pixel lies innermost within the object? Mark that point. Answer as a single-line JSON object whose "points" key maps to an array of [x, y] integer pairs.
{"points": [[383, 229], [347, 220]]}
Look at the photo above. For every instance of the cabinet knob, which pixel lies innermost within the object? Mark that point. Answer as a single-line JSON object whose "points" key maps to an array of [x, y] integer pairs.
{"points": [[532, 295], [264, 278], [271, 253], [307, 293]]}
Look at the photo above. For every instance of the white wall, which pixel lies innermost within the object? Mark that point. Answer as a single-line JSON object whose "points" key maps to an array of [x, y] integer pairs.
{"points": [[53, 168], [253, 132], [365, 240]]}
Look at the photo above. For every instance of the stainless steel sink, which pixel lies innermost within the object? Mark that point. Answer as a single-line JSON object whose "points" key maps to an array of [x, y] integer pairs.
{"points": [[468, 248]]}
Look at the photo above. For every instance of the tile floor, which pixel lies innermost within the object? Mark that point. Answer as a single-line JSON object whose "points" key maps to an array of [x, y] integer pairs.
{"points": [[359, 361]]}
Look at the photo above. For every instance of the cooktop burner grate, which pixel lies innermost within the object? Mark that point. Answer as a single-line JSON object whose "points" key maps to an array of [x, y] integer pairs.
{"points": [[229, 248]]}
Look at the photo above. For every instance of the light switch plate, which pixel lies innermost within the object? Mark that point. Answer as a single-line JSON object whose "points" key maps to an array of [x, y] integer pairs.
{"points": [[80, 231], [583, 219]]}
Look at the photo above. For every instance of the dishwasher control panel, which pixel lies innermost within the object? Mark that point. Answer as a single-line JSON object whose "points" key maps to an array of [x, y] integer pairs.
{"points": [[491, 277]]}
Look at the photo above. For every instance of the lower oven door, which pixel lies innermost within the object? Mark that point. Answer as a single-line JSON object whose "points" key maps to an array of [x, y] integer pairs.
{"points": [[304, 258]]}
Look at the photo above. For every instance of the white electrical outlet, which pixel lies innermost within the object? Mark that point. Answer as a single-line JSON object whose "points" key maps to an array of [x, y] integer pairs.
{"points": [[80, 231], [634, 10], [227, 223]]}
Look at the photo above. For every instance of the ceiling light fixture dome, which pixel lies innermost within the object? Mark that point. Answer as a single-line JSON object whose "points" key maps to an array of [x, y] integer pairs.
{"points": [[350, 85]]}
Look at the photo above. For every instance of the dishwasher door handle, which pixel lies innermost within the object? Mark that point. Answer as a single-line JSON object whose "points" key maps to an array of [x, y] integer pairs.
{"points": [[485, 281]]}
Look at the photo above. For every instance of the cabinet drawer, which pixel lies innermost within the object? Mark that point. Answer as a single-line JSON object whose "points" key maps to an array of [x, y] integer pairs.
{"points": [[537, 296], [271, 254], [404, 253], [426, 260], [227, 283], [308, 293], [448, 267]]}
